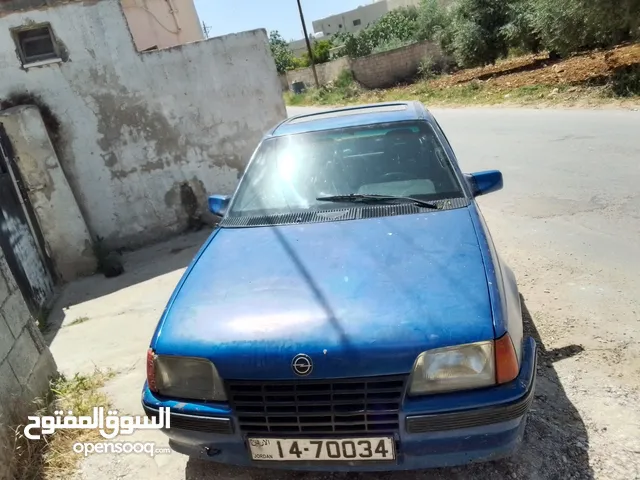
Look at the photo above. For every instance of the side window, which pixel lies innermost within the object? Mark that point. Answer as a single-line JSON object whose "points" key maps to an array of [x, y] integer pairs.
{"points": [[35, 43]]}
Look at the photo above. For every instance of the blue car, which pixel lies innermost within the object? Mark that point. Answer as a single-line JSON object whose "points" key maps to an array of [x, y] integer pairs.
{"points": [[350, 312]]}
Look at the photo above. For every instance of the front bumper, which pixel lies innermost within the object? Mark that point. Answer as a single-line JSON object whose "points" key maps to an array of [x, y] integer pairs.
{"points": [[438, 431]]}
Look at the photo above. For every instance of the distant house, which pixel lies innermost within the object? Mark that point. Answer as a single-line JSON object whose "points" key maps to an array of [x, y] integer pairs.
{"points": [[359, 18]]}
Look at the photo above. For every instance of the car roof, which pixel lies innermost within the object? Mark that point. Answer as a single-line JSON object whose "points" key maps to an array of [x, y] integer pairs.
{"points": [[374, 113]]}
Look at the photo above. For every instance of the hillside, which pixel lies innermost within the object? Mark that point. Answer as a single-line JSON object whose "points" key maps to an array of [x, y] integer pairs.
{"points": [[586, 79]]}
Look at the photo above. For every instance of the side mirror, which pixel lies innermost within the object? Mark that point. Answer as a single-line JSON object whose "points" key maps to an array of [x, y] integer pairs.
{"points": [[218, 204], [485, 182]]}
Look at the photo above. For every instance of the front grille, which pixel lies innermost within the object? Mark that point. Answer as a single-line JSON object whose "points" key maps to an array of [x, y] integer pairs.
{"points": [[194, 423], [352, 406]]}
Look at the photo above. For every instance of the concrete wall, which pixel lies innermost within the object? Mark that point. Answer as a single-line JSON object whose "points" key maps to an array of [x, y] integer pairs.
{"points": [[283, 82], [327, 72], [67, 239], [144, 137], [388, 68], [162, 23], [393, 4], [26, 364]]}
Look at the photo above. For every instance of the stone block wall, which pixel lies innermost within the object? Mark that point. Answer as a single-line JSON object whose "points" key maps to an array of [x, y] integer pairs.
{"points": [[327, 72], [26, 364], [386, 69], [380, 70]]}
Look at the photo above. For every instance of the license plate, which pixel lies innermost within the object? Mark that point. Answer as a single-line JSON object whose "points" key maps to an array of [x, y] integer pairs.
{"points": [[338, 450]]}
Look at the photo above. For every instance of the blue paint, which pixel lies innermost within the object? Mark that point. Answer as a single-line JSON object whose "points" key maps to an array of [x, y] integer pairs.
{"points": [[218, 204], [417, 451], [350, 117], [483, 183], [361, 298], [383, 290], [495, 284]]}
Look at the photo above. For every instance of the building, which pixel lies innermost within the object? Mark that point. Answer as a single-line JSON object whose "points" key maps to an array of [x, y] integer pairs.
{"points": [[351, 21], [359, 18], [117, 132], [162, 23]]}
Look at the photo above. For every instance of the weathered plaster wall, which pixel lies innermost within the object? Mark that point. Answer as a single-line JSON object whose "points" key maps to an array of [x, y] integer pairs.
{"points": [[66, 236], [144, 137], [152, 22], [26, 364]]}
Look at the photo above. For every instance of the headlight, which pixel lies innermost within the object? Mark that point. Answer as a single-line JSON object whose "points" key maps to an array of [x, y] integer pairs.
{"points": [[186, 377], [462, 367]]}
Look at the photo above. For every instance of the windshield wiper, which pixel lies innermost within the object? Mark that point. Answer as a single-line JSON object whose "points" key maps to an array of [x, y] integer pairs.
{"points": [[372, 198]]}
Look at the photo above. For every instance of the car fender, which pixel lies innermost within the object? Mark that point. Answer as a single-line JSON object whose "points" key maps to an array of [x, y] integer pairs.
{"points": [[502, 285], [511, 296]]}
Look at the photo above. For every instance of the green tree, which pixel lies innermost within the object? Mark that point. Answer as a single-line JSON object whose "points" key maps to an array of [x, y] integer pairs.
{"points": [[520, 32], [322, 51], [280, 51], [300, 62], [432, 21], [475, 35], [399, 26], [570, 25]]}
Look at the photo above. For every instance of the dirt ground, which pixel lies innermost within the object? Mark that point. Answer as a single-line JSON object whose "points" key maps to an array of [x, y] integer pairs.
{"points": [[595, 66], [567, 222]]}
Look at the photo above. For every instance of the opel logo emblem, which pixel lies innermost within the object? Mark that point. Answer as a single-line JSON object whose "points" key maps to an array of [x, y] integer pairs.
{"points": [[302, 365]]}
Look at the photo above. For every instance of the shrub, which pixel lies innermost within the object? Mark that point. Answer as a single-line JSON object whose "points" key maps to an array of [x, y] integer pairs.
{"points": [[625, 82], [399, 26], [392, 44], [322, 51], [345, 79], [427, 68], [300, 62]]}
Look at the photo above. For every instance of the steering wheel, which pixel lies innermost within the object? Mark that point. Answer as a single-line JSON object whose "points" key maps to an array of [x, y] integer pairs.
{"points": [[397, 176]]}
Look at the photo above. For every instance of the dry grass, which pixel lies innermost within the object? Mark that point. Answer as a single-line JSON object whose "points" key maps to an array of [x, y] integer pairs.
{"points": [[588, 68], [52, 458], [591, 79], [78, 321]]}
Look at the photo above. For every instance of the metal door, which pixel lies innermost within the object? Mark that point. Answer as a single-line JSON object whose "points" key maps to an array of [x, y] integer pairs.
{"points": [[18, 229]]}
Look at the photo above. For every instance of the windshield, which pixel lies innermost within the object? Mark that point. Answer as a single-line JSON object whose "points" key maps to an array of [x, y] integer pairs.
{"points": [[290, 173]]}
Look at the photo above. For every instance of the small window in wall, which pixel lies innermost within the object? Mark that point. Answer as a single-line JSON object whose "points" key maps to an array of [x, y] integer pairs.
{"points": [[36, 44], [356, 22], [339, 25]]}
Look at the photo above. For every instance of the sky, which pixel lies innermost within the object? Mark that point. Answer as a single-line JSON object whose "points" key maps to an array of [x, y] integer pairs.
{"points": [[230, 16]]}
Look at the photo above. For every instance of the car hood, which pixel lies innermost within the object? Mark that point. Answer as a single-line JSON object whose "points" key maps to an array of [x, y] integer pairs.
{"points": [[361, 297]]}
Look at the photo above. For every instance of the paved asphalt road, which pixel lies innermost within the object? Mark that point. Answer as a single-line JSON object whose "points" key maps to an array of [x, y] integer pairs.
{"points": [[568, 222], [578, 171]]}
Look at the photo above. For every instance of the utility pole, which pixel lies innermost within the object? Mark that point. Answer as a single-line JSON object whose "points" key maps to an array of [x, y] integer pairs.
{"points": [[306, 38], [205, 29]]}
